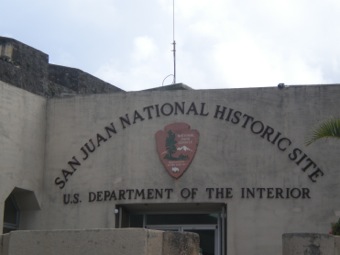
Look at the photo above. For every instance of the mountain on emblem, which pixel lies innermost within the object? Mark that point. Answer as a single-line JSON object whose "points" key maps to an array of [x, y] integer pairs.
{"points": [[176, 147]]}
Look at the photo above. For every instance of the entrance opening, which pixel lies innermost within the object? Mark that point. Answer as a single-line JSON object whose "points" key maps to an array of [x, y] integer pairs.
{"points": [[11, 215], [19, 202], [207, 220]]}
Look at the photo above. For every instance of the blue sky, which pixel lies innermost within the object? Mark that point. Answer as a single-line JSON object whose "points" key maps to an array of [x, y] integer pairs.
{"points": [[220, 43]]}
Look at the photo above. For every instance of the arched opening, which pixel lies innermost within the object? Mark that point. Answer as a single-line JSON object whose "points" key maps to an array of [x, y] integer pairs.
{"points": [[19, 202], [11, 215]]}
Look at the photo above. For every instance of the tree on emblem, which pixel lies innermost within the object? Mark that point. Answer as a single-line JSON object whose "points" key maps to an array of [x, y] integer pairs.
{"points": [[170, 146]]}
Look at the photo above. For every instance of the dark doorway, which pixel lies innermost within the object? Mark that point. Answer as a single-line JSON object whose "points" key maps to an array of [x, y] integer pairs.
{"points": [[209, 222]]}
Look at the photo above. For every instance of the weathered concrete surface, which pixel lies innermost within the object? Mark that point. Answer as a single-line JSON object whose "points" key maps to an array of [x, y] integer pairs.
{"points": [[229, 156], [337, 245], [180, 243], [100, 242], [308, 244], [1, 244], [22, 140]]}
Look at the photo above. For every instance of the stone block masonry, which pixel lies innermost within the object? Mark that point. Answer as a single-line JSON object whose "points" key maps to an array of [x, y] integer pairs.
{"points": [[28, 69]]}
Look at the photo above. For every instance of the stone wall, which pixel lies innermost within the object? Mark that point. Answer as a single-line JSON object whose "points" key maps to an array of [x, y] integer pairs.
{"points": [[66, 80], [28, 69], [23, 66]]}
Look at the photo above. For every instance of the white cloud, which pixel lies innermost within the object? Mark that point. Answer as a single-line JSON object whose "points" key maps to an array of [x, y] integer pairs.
{"points": [[137, 77], [147, 68], [100, 14], [144, 49]]}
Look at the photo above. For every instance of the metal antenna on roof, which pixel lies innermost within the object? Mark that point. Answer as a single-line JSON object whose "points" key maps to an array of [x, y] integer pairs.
{"points": [[174, 45], [173, 37]]}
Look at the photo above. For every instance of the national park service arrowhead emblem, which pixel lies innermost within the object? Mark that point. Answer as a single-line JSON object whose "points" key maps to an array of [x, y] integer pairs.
{"points": [[176, 147]]}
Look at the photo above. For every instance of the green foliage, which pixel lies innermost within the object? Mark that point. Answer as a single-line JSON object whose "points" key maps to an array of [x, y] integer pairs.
{"points": [[329, 128], [336, 228]]}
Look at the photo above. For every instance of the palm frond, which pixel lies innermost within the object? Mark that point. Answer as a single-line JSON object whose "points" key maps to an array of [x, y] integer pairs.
{"points": [[329, 128]]}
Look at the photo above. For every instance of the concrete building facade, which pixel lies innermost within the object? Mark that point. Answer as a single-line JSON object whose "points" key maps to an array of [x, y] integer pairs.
{"points": [[228, 164]]}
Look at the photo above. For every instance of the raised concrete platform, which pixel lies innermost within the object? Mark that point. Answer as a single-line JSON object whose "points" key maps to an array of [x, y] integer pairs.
{"points": [[129, 241], [310, 244]]}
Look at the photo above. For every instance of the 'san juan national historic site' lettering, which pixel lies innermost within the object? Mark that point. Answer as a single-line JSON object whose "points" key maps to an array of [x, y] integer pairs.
{"points": [[228, 115]]}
